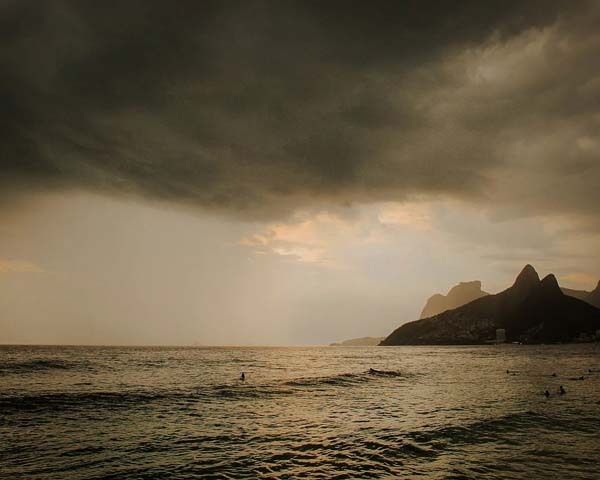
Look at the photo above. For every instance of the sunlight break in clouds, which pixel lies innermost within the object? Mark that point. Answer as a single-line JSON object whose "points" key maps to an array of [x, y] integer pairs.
{"points": [[308, 238], [415, 215], [318, 238]]}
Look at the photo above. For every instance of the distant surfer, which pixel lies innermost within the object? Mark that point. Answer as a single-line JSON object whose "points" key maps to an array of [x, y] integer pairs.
{"points": [[243, 376], [546, 393], [561, 390]]}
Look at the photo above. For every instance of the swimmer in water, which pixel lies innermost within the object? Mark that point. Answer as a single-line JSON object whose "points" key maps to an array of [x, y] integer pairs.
{"points": [[561, 390], [546, 393], [243, 376]]}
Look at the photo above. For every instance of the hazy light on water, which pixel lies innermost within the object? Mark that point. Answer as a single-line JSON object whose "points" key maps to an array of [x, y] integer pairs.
{"points": [[439, 412]]}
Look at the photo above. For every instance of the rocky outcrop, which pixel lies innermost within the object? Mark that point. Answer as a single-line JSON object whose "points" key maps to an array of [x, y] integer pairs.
{"points": [[458, 295], [531, 311], [571, 292], [593, 297]]}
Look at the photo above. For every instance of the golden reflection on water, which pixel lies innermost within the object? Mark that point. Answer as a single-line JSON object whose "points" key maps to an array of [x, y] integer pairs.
{"points": [[438, 412]]}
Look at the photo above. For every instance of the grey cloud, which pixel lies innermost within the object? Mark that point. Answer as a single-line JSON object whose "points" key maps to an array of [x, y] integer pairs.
{"points": [[258, 108]]}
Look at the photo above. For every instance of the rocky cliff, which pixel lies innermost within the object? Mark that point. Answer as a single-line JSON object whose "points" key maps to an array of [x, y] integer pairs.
{"points": [[531, 311], [458, 295]]}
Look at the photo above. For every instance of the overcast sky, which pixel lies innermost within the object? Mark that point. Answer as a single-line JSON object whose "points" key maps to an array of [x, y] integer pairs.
{"points": [[287, 172]]}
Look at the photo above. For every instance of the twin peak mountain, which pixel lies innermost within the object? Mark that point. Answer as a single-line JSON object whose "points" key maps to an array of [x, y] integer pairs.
{"points": [[530, 311]]}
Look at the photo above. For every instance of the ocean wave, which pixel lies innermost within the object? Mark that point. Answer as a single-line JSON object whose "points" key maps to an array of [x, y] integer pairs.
{"points": [[234, 391], [244, 391], [343, 379], [64, 400], [486, 430], [384, 373], [59, 401], [38, 365]]}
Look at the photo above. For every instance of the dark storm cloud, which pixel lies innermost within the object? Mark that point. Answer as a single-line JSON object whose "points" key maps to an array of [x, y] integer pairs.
{"points": [[256, 108]]}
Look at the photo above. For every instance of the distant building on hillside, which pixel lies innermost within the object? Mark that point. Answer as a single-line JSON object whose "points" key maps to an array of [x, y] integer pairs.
{"points": [[500, 335]]}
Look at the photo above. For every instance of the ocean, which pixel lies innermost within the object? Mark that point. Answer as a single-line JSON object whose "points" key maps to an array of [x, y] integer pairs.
{"points": [[303, 412]]}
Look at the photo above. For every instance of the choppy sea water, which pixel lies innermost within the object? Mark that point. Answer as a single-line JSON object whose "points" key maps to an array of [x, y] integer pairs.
{"points": [[316, 412]]}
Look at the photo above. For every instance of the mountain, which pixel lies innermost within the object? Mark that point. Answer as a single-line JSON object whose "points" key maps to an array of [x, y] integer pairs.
{"points": [[531, 311], [458, 295], [359, 342], [593, 297], [580, 294]]}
